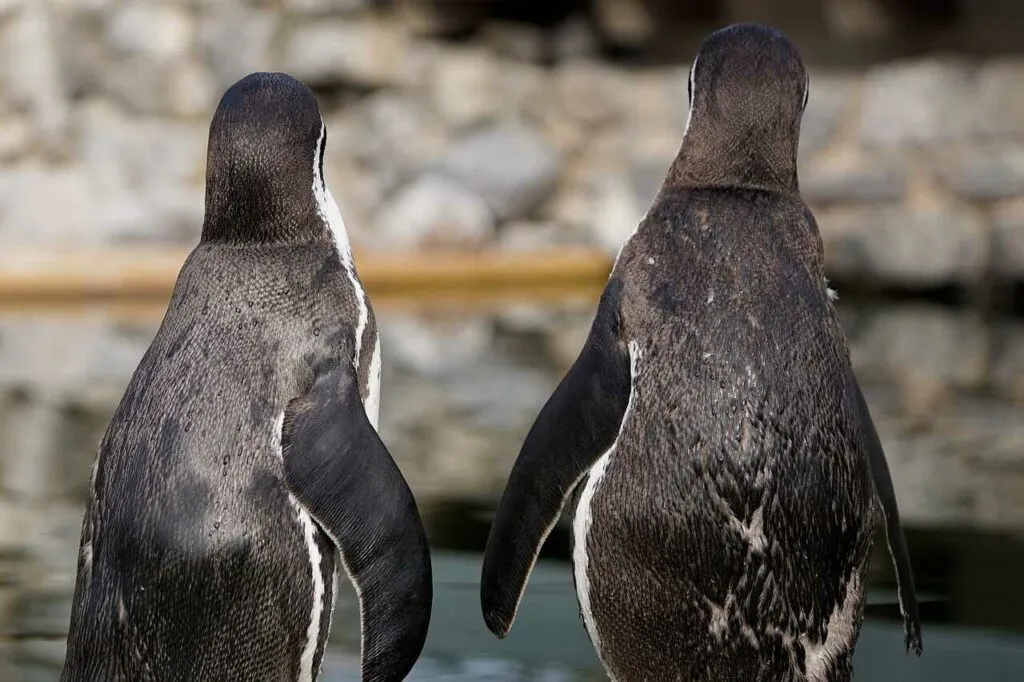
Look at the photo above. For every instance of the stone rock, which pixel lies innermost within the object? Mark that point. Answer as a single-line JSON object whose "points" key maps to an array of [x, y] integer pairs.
{"points": [[30, 74], [916, 102], [932, 482], [51, 207], [1007, 373], [566, 341], [434, 212], [625, 22], [436, 347], [235, 42], [159, 31], [523, 90], [87, 6], [94, 352], [140, 85], [647, 178], [590, 94], [657, 99], [361, 52], [922, 344], [984, 174], [905, 247], [575, 39], [998, 102], [508, 165], [138, 152], [854, 177], [192, 91], [84, 52], [497, 393], [525, 235], [520, 42], [1008, 240], [857, 19], [389, 136], [830, 99], [464, 88], [8, 7], [602, 203], [324, 7], [15, 137]]}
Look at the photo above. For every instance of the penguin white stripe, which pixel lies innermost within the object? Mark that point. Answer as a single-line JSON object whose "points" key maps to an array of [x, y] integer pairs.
{"points": [[313, 631], [329, 212], [315, 559], [693, 93], [583, 518], [373, 391], [331, 215]]}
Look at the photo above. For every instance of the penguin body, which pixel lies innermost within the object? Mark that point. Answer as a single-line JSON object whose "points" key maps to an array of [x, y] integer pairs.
{"points": [[241, 471], [723, 472]]}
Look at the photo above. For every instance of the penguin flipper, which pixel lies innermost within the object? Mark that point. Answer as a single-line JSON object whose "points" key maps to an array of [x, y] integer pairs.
{"points": [[893, 528], [579, 422], [339, 470]]}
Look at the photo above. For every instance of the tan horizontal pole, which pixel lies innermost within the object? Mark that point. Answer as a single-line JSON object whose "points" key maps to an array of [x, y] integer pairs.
{"points": [[144, 274]]}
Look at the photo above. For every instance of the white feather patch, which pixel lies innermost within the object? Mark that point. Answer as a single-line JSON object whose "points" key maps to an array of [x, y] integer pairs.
{"points": [[583, 518]]}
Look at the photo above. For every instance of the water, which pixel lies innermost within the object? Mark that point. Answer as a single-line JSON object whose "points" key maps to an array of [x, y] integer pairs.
{"points": [[461, 386]]}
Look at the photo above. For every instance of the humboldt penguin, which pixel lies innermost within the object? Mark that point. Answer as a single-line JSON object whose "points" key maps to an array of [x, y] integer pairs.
{"points": [[242, 468], [725, 475]]}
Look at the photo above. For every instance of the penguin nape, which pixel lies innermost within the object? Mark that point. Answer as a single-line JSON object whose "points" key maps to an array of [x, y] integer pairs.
{"points": [[725, 474], [242, 469]]}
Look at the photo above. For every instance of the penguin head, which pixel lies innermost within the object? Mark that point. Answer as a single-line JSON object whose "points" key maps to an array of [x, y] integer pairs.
{"points": [[264, 167], [748, 88]]}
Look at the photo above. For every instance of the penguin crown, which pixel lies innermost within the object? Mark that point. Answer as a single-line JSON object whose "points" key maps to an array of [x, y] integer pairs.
{"points": [[748, 89], [264, 162]]}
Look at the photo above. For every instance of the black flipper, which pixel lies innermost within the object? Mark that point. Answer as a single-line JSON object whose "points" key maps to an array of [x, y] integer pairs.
{"points": [[893, 528], [342, 474], [579, 422]]}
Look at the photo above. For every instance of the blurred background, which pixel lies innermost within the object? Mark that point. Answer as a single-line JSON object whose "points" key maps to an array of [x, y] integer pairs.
{"points": [[525, 138]]}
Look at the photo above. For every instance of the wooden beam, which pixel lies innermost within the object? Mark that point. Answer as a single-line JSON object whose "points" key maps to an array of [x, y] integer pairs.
{"points": [[148, 275]]}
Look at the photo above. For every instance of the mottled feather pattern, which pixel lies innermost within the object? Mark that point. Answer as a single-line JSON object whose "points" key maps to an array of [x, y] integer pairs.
{"points": [[754, 438], [190, 553]]}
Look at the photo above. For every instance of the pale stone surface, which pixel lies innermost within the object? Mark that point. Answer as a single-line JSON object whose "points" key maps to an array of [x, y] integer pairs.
{"points": [[326, 7], [365, 52], [905, 247], [902, 154], [916, 102], [30, 74], [161, 31], [509, 165], [465, 87], [854, 177], [998, 102], [1008, 240], [234, 42], [830, 101], [984, 174], [434, 212]]}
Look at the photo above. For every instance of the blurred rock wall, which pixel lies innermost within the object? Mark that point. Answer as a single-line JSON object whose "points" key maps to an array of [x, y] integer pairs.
{"points": [[518, 136]]}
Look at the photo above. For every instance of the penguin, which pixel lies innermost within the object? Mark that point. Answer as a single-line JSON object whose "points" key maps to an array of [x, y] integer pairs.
{"points": [[722, 469], [242, 470]]}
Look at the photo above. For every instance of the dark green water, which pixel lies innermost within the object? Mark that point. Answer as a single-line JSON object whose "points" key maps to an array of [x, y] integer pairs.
{"points": [[459, 392]]}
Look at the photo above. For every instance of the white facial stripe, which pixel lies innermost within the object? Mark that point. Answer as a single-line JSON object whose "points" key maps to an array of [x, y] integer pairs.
{"points": [[326, 206], [583, 518], [331, 215], [693, 95]]}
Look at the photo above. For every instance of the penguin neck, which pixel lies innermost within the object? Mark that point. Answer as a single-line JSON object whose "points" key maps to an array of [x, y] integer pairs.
{"points": [[251, 204], [763, 160]]}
